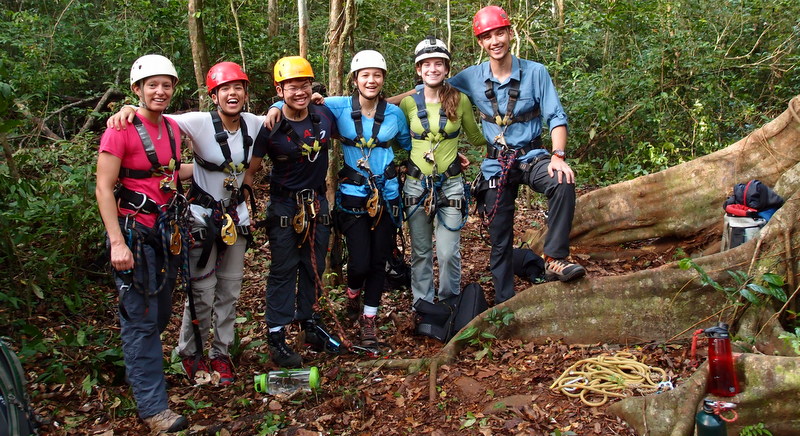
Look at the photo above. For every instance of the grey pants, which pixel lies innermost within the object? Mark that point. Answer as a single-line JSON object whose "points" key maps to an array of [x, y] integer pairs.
{"points": [[422, 230], [215, 299]]}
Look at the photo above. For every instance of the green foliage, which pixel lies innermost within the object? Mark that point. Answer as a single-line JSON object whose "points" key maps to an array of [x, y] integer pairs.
{"points": [[271, 424], [197, 405], [770, 286], [52, 228], [792, 339], [755, 430], [500, 318]]}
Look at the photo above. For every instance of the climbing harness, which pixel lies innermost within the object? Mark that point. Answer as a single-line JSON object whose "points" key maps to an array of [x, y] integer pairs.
{"points": [[433, 199], [223, 222], [434, 138], [509, 117], [595, 379], [375, 203], [311, 152]]}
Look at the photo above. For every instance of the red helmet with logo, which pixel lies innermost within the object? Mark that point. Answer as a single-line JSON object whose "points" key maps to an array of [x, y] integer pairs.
{"points": [[489, 18], [222, 73]]}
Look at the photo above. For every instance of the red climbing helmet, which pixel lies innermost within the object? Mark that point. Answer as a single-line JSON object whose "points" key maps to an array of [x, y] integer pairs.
{"points": [[224, 72], [489, 18]]}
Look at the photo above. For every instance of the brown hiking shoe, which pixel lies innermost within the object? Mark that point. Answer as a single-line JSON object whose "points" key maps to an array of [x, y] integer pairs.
{"points": [[369, 337], [563, 270], [166, 421]]}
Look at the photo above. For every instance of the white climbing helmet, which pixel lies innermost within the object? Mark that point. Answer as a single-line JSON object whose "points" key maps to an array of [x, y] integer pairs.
{"points": [[152, 65], [367, 59], [430, 47]]}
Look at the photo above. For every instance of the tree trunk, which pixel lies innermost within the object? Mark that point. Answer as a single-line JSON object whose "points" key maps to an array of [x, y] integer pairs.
{"points": [[684, 200], [302, 17], [666, 302], [197, 39], [340, 28], [272, 14]]}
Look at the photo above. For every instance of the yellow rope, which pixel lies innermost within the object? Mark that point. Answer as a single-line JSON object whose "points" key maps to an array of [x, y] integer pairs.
{"points": [[596, 379]]}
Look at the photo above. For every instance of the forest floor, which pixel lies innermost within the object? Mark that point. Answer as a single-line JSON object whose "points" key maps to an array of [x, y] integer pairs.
{"points": [[503, 392]]}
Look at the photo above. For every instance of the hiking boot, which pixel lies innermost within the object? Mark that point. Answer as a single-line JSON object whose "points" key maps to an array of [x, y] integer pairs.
{"points": [[223, 366], [353, 305], [318, 338], [166, 421], [194, 364], [369, 337], [563, 270], [280, 353]]}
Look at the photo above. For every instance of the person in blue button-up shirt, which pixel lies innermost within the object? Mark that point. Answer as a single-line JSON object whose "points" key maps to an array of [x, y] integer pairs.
{"points": [[513, 128]]}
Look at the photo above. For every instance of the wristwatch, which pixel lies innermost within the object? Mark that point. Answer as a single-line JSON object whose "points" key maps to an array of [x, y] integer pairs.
{"points": [[560, 154]]}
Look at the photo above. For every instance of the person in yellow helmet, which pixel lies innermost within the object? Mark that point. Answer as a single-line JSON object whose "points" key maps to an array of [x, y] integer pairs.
{"points": [[298, 217]]}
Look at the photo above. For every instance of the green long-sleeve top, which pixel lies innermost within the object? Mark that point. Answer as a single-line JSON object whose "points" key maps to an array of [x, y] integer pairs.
{"points": [[447, 150]]}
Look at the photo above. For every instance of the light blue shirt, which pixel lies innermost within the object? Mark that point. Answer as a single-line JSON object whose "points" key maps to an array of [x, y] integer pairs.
{"points": [[536, 86], [394, 126]]}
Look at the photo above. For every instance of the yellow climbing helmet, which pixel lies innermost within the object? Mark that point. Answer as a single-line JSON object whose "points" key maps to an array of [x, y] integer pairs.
{"points": [[292, 67]]}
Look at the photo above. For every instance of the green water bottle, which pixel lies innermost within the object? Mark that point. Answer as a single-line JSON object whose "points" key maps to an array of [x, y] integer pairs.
{"points": [[708, 422]]}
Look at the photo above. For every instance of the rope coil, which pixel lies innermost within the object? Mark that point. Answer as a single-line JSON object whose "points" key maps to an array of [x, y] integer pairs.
{"points": [[595, 379]]}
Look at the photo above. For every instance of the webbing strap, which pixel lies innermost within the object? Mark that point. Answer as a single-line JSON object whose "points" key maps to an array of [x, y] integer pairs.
{"points": [[380, 111], [221, 136], [351, 176], [452, 170], [422, 114], [156, 168], [285, 128], [513, 96]]}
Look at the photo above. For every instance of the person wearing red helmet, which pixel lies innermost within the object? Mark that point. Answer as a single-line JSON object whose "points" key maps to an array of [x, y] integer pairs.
{"points": [[222, 146], [515, 97]]}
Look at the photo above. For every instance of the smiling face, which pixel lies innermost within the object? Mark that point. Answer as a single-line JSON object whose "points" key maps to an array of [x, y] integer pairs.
{"points": [[433, 71], [496, 42], [230, 97], [296, 93], [155, 92], [369, 82]]}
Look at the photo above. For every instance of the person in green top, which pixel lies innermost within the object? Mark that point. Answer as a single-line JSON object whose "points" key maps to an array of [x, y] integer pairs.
{"points": [[433, 194]]}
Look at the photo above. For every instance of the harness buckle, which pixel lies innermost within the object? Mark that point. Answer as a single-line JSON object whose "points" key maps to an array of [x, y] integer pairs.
{"points": [[284, 221], [492, 183]]}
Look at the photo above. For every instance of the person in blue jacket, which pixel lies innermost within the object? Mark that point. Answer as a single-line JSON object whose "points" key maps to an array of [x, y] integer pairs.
{"points": [[515, 98]]}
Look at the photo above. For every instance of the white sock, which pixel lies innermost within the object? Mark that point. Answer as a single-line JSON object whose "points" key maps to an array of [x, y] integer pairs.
{"points": [[370, 310], [275, 329]]}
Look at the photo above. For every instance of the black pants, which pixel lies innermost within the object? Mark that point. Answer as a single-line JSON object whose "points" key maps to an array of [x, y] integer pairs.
{"points": [[368, 250], [561, 205], [291, 285]]}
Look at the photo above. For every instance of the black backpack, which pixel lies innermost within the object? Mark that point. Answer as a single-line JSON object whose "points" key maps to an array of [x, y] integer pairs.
{"points": [[444, 319], [16, 414]]}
